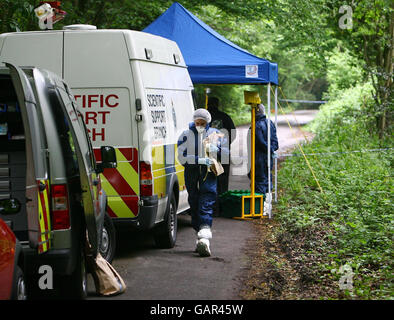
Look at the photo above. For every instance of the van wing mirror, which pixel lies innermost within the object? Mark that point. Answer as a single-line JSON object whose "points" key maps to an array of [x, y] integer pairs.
{"points": [[10, 206], [108, 158]]}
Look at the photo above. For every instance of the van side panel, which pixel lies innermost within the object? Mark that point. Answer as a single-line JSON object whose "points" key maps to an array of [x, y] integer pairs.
{"points": [[45, 50], [169, 108], [97, 68]]}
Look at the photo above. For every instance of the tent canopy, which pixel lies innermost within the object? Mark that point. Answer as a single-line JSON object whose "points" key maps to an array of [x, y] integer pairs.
{"points": [[210, 57]]}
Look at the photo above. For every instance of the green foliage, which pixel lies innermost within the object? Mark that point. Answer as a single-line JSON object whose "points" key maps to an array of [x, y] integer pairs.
{"points": [[313, 28], [343, 71], [17, 15], [356, 211], [350, 106], [301, 75]]}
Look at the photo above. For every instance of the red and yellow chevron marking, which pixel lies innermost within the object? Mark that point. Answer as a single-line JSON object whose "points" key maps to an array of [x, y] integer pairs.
{"points": [[163, 169], [180, 171], [44, 236], [121, 184], [158, 171]]}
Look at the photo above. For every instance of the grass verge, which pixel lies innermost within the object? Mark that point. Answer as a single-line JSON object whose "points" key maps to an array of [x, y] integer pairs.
{"points": [[335, 244]]}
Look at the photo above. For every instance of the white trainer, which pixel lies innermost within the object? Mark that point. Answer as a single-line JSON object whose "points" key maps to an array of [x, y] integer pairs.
{"points": [[203, 248]]}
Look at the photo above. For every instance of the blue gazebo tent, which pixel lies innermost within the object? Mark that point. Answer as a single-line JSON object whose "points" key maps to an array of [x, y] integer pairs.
{"points": [[213, 59], [210, 57]]}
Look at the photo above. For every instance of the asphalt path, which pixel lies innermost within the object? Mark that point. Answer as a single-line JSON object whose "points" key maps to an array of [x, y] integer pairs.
{"points": [[181, 274]]}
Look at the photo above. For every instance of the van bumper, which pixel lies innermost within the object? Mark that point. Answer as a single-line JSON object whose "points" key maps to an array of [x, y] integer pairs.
{"points": [[62, 261], [146, 217]]}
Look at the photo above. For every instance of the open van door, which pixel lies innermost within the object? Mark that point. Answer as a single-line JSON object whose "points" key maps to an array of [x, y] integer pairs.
{"points": [[87, 172], [37, 180]]}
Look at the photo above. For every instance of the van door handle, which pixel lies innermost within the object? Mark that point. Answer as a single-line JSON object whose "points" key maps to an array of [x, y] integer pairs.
{"points": [[41, 187]]}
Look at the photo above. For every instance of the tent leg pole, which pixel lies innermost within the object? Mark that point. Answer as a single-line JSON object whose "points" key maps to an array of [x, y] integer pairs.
{"points": [[206, 97], [253, 141], [276, 159], [269, 146], [253, 169]]}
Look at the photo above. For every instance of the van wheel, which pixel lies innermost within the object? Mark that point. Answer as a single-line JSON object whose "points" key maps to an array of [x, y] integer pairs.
{"points": [[19, 285], [165, 233], [108, 240]]}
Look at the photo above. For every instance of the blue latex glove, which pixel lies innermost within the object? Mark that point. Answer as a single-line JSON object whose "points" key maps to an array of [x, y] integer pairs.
{"points": [[205, 161], [212, 148], [275, 155]]}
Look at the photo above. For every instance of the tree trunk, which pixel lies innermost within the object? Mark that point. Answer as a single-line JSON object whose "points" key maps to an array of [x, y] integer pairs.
{"points": [[387, 68]]}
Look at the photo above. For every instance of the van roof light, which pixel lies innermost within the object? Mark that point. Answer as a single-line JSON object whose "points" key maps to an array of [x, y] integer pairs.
{"points": [[80, 27]]}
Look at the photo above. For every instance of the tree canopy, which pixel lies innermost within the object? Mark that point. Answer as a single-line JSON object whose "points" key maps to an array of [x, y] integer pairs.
{"points": [[304, 37]]}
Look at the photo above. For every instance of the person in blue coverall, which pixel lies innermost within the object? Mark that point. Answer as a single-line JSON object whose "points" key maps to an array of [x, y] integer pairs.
{"points": [[261, 150], [201, 184]]}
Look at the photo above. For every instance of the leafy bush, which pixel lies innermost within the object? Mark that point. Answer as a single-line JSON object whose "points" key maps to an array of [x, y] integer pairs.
{"points": [[343, 72], [352, 221], [349, 107]]}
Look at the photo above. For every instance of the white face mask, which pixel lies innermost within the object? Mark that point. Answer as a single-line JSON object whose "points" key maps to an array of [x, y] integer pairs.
{"points": [[200, 129]]}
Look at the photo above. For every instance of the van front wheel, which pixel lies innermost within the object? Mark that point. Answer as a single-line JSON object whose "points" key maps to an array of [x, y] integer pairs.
{"points": [[108, 239], [165, 233]]}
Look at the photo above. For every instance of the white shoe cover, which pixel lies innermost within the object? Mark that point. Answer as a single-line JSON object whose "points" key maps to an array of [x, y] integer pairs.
{"points": [[205, 233], [203, 248], [267, 204]]}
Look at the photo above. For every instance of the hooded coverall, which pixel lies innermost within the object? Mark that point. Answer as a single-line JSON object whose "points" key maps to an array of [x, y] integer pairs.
{"points": [[201, 187], [261, 150]]}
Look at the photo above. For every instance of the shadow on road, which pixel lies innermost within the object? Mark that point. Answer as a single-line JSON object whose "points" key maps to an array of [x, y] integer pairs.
{"points": [[131, 241]]}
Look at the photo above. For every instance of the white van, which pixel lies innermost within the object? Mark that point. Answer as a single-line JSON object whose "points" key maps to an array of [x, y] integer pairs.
{"points": [[135, 94]]}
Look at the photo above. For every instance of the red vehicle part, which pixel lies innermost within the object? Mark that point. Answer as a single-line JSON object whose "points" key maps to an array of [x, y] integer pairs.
{"points": [[7, 260]]}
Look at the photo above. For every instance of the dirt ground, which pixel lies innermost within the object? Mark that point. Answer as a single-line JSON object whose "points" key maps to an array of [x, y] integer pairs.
{"points": [[278, 270]]}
